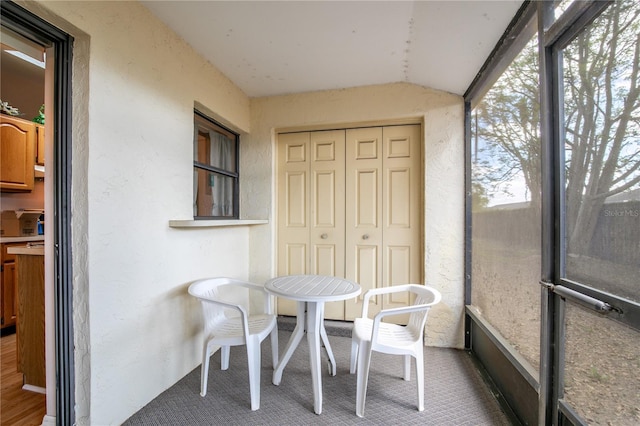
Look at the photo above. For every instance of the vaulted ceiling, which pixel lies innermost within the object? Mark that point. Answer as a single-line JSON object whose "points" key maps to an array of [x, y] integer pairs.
{"points": [[280, 47]]}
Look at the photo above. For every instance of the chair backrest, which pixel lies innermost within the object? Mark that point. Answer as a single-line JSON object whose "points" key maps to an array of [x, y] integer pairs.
{"points": [[426, 296], [212, 289]]}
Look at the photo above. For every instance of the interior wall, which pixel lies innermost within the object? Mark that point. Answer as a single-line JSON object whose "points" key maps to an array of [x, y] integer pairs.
{"points": [[136, 331], [27, 200], [442, 115], [22, 86]]}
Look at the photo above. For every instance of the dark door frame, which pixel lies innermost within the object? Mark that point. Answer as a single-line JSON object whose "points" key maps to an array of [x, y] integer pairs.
{"points": [[34, 28]]}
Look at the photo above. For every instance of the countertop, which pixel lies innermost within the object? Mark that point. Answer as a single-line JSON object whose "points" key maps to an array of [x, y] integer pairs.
{"points": [[21, 239], [34, 251]]}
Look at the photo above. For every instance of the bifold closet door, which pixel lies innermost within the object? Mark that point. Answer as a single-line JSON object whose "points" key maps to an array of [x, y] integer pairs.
{"points": [[311, 209], [364, 213], [383, 224], [349, 206]]}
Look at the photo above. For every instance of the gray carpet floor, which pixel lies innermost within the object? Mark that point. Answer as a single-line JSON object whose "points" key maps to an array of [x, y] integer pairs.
{"points": [[455, 393]]}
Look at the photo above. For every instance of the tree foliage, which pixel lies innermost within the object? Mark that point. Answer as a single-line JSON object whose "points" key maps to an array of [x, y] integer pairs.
{"points": [[602, 113], [508, 123], [601, 91]]}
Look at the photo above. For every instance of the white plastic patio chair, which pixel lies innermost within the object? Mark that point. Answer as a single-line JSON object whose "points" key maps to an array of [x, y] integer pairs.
{"points": [[374, 335], [230, 322]]}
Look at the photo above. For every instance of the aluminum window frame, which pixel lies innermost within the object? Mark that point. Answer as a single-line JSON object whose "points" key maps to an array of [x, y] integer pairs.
{"points": [[219, 171]]}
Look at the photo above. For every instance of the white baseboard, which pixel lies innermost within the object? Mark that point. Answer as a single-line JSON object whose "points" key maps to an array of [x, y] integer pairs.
{"points": [[49, 420]]}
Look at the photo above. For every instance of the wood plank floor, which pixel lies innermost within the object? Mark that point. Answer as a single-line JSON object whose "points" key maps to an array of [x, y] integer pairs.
{"points": [[17, 406]]}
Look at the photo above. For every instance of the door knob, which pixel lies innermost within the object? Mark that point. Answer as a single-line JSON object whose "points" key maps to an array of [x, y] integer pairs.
{"points": [[324, 236], [365, 237]]}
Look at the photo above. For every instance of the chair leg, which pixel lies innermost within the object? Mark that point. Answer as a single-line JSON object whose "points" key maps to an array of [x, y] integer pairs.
{"points": [[362, 377], [406, 368], [420, 376], [354, 356], [204, 369], [274, 347], [253, 358], [224, 358]]}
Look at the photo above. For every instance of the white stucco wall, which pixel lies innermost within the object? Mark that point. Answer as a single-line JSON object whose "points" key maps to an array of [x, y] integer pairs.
{"points": [[135, 84], [443, 118]]}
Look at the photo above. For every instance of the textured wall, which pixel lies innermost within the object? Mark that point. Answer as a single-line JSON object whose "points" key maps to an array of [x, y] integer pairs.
{"points": [[443, 118], [134, 88], [136, 331]]}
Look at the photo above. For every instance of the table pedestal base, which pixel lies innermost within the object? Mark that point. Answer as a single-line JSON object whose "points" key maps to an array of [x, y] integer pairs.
{"points": [[310, 320]]}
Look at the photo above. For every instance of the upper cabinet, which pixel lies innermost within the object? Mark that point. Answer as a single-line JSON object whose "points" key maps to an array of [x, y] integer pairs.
{"points": [[17, 154], [40, 144]]}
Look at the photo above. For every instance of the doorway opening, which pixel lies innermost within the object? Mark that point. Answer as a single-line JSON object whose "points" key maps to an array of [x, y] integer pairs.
{"points": [[57, 179], [23, 190]]}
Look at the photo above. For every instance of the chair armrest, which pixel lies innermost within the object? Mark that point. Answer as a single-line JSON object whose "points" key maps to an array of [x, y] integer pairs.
{"points": [[395, 289], [391, 289], [377, 319], [402, 310], [249, 285], [267, 298], [239, 308]]}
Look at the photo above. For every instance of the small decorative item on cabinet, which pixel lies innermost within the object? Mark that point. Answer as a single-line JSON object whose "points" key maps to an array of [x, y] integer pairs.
{"points": [[5, 108], [40, 117]]}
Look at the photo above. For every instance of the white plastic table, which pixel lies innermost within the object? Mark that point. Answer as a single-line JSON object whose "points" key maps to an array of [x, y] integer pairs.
{"points": [[311, 292]]}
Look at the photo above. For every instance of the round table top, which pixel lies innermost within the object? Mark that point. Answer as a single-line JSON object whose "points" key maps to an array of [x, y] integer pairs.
{"points": [[312, 288]]}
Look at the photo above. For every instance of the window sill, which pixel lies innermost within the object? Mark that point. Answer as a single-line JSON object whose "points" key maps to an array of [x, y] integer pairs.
{"points": [[215, 223]]}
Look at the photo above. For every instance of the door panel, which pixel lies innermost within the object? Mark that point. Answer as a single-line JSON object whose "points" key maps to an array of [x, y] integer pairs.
{"points": [[366, 198], [296, 259], [324, 184], [363, 210], [325, 260], [399, 182], [399, 263], [293, 215], [366, 271], [398, 271], [311, 209], [327, 209], [296, 214], [401, 203]]}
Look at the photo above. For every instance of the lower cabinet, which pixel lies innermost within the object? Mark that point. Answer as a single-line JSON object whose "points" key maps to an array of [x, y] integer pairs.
{"points": [[8, 288], [30, 330]]}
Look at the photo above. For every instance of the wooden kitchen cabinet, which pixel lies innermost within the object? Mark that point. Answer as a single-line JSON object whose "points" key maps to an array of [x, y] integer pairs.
{"points": [[17, 154], [30, 325], [40, 144], [8, 288]]}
